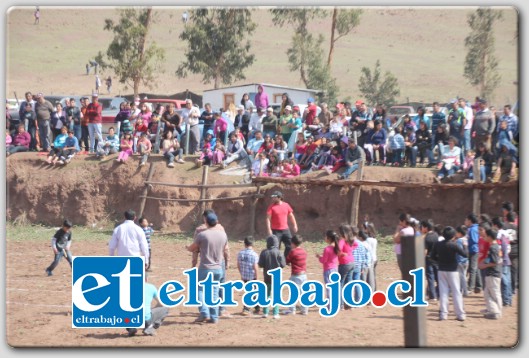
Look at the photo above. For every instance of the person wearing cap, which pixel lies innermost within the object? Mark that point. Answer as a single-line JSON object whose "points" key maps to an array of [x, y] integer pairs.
{"points": [[212, 245], [242, 121], [484, 124], [93, 112], [310, 112], [358, 122], [128, 239], [285, 101], [270, 122], [277, 216], [282, 126], [261, 97], [43, 110], [353, 156]]}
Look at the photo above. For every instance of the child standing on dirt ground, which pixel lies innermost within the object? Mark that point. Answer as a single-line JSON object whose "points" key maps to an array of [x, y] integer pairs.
{"points": [[60, 244], [148, 230], [329, 259], [270, 259], [247, 265], [297, 259]]}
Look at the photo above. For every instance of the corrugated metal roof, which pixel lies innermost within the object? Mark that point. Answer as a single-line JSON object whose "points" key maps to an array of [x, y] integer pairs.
{"points": [[266, 85]]}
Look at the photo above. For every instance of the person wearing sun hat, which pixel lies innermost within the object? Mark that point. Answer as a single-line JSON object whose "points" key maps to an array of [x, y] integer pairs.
{"points": [[270, 122], [277, 216]]}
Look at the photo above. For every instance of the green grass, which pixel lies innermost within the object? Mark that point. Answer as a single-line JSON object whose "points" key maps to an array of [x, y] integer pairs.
{"points": [[40, 233]]}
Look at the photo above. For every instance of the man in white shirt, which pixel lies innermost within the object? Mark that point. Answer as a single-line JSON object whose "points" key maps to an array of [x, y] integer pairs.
{"points": [[129, 239], [469, 115], [191, 115], [256, 121]]}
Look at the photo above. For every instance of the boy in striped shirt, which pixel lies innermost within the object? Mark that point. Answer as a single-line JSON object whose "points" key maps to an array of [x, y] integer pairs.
{"points": [[247, 260], [144, 223]]}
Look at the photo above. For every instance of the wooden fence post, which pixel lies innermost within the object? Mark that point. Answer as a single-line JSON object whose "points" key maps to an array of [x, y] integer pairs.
{"points": [[412, 249], [253, 209], [476, 195], [203, 190], [355, 203], [146, 189]]}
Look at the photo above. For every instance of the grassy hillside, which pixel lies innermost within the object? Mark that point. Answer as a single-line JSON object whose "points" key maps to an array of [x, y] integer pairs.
{"points": [[423, 47]]}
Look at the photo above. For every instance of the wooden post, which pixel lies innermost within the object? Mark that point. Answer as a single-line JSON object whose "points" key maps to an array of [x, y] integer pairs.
{"points": [[252, 210], [476, 195], [146, 190], [355, 203], [412, 249], [203, 190]]}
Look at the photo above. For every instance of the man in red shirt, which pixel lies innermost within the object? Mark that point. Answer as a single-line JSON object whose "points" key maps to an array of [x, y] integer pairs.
{"points": [[93, 112], [277, 217], [311, 111]]}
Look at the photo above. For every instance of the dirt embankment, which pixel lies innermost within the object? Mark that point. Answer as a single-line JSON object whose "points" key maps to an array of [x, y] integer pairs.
{"points": [[96, 193]]}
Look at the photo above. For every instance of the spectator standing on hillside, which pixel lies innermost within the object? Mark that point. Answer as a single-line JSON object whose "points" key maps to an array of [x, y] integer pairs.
{"points": [[242, 121], [511, 119], [469, 115], [261, 98], [93, 112], [206, 118], [36, 14], [310, 111], [191, 116], [484, 124], [22, 108], [358, 122], [277, 216], [270, 122], [457, 122], [73, 114], [325, 115], [85, 133], [43, 110], [98, 83], [108, 83]]}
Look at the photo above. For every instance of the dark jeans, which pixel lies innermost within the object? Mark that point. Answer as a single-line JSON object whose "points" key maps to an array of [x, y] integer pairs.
{"points": [[44, 134], [474, 276], [84, 137], [433, 282], [506, 288], [346, 273], [16, 149], [285, 237], [58, 257], [514, 274], [33, 133], [170, 155], [397, 156], [67, 154]]}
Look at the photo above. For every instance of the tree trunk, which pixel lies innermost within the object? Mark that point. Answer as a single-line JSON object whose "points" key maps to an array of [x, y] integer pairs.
{"points": [[333, 29], [142, 48]]}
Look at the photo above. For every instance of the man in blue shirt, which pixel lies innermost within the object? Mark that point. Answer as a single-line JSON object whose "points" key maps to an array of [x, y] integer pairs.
{"points": [[153, 316], [71, 146], [254, 145], [438, 118], [474, 279]]}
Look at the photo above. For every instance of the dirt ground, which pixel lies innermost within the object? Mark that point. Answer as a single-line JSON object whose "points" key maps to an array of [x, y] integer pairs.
{"points": [[37, 305]]}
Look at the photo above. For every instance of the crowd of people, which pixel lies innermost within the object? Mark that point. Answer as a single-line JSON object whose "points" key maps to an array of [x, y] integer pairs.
{"points": [[481, 255], [478, 256], [289, 144]]}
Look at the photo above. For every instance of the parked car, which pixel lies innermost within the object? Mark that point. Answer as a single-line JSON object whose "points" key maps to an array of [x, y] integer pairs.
{"points": [[399, 111]]}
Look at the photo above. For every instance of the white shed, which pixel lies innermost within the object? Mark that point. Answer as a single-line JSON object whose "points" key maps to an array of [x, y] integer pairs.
{"points": [[222, 97]]}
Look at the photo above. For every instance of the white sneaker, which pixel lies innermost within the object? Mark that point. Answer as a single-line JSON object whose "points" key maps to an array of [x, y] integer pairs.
{"points": [[181, 161], [170, 165], [265, 315], [61, 162], [276, 316], [328, 170]]}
